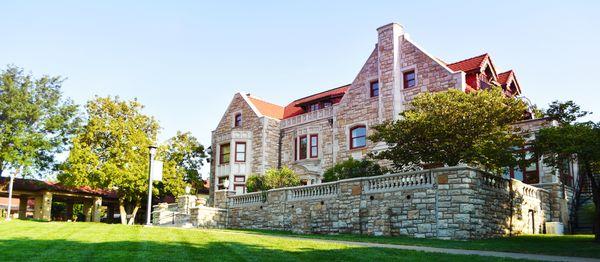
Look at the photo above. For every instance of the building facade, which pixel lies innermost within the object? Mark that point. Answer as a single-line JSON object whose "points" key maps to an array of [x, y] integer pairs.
{"points": [[313, 133]]}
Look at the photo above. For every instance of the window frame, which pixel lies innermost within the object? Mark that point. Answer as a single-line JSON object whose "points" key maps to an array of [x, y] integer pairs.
{"points": [[221, 155], [372, 90], [315, 145], [405, 81], [300, 147], [236, 151], [235, 120], [351, 141]]}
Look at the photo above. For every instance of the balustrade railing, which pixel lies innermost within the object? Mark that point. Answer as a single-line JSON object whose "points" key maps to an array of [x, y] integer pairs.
{"points": [[314, 191], [494, 181], [247, 199], [398, 181], [308, 117]]}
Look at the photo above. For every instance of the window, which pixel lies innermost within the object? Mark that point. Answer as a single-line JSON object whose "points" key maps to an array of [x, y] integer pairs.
{"points": [[224, 154], [296, 148], [528, 172], [314, 107], [358, 137], [239, 179], [326, 104], [303, 147], [409, 79], [238, 120], [314, 146], [374, 88], [240, 151]]}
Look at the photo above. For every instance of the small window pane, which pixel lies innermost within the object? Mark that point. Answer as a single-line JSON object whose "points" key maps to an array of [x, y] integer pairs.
{"points": [[374, 89], [359, 142], [240, 152], [303, 147], [409, 79], [224, 154], [361, 131]]}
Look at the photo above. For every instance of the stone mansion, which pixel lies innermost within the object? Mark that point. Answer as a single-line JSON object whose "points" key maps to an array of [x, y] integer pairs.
{"points": [[313, 133]]}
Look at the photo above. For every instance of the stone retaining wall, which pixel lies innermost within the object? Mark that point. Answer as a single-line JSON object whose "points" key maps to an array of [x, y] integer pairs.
{"points": [[446, 203]]}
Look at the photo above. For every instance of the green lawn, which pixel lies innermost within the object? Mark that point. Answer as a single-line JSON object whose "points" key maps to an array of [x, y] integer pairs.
{"points": [[568, 245], [55, 241]]}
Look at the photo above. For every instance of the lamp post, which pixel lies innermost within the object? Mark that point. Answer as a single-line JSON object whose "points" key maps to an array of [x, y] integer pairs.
{"points": [[152, 149]]}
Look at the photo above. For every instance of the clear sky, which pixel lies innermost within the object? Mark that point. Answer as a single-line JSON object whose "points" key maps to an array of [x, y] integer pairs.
{"points": [[185, 60]]}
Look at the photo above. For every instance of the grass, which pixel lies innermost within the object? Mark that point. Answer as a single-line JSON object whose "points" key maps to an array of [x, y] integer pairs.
{"points": [[56, 241], [567, 245]]}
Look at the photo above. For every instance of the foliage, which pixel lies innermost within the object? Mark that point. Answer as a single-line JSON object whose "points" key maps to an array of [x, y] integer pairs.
{"points": [[36, 121], [353, 168], [454, 127], [111, 151], [273, 178], [183, 155], [565, 112], [569, 141]]}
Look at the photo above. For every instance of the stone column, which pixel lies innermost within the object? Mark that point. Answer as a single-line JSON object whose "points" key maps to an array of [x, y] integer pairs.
{"points": [[46, 206], [37, 208], [23, 207], [69, 205], [96, 206], [87, 210]]}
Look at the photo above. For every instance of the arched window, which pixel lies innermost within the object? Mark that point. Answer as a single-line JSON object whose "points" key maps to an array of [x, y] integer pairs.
{"points": [[358, 137], [238, 120]]}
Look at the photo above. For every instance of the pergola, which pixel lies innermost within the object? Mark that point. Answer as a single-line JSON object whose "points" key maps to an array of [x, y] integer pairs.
{"points": [[45, 192]]}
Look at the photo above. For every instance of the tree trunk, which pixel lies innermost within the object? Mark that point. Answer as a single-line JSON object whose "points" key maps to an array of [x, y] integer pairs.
{"points": [[135, 209], [122, 211]]}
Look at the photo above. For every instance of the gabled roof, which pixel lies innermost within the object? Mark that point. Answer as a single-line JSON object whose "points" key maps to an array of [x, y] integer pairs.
{"points": [[503, 77], [266, 108]]}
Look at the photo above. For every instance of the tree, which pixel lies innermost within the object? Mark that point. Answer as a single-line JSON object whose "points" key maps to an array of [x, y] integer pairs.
{"points": [[185, 154], [353, 168], [36, 121], [111, 151], [569, 141], [454, 127], [273, 178]]}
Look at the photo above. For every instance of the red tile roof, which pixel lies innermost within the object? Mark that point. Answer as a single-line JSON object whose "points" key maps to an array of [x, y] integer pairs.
{"points": [[503, 77], [33, 185], [469, 64], [266, 108], [294, 108]]}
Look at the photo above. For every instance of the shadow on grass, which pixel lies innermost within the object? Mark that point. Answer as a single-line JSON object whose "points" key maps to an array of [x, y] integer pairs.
{"points": [[27, 249], [566, 245]]}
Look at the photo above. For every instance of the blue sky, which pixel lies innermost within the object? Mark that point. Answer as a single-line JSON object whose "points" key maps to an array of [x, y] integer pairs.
{"points": [[185, 60]]}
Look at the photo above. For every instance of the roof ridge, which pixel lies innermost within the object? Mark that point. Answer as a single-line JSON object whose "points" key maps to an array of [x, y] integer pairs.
{"points": [[482, 55], [262, 100]]}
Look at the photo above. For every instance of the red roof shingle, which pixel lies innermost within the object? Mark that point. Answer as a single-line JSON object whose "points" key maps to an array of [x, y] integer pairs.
{"points": [[469, 63], [266, 108]]}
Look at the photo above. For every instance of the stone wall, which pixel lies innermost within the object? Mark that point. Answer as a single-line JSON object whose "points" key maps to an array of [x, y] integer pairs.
{"points": [[446, 203]]}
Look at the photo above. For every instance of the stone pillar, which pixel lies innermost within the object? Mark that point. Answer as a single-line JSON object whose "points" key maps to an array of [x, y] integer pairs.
{"points": [[69, 205], [96, 206], [23, 207], [46, 206], [222, 197], [87, 210], [37, 208], [185, 202]]}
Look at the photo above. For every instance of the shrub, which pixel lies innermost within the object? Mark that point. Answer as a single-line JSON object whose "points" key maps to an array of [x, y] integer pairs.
{"points": [[353, 168], [273, 178]]}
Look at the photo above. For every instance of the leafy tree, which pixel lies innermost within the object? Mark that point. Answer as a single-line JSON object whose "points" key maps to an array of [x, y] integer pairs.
{"points": [[353, 168], [569, 141], [36, 121], [111, 151], [185, 155], [273, 178], [454, 127]]}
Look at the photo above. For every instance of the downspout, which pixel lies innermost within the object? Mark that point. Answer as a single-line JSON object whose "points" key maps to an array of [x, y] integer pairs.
{"points": [[279, 145]]}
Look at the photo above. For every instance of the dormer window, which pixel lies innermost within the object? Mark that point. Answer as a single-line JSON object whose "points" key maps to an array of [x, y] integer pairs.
{"points": [[237, 120], [326, 104], [409, 79], [314, 107], [374, 88]]}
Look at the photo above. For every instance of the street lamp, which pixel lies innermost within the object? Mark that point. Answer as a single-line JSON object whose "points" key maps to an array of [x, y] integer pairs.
{"points": [[152, 150]]}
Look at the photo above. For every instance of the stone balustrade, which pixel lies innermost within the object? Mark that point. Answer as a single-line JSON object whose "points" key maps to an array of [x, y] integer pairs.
{"points": [[313, 191], [307, 117], [247, 199], [393, 182]]}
